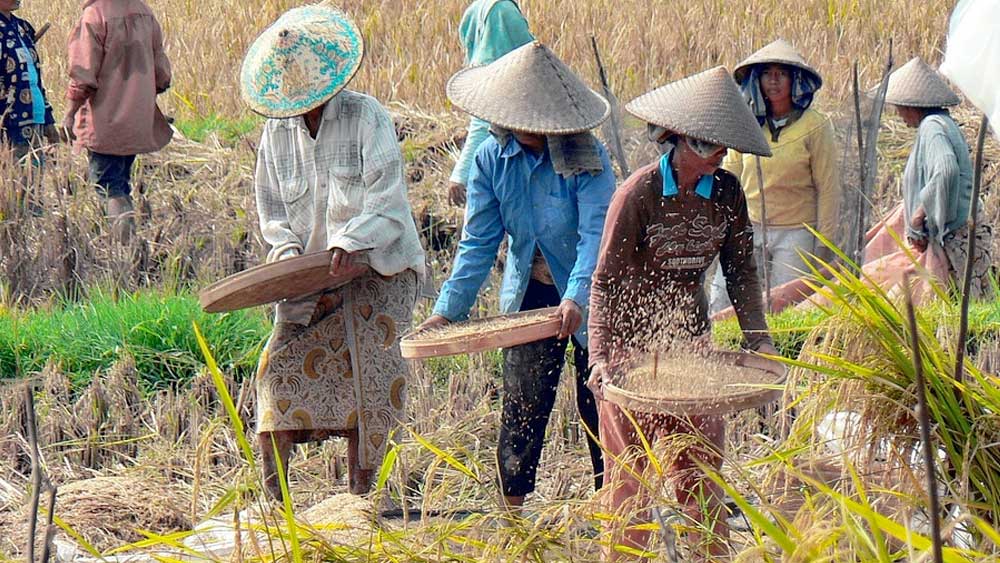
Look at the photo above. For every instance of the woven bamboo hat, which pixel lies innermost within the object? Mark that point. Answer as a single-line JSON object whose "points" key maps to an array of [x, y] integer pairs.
{"points": [[780, 52], [916, 84], [529, 89], [302, 60], [706, 106]]}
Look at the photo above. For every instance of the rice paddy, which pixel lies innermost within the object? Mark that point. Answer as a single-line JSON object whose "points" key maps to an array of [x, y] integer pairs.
{"points": [[132, 411]]}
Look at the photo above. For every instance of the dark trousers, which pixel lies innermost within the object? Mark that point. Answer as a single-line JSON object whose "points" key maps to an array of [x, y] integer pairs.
{"points": [[112, 174], [530, 379]]}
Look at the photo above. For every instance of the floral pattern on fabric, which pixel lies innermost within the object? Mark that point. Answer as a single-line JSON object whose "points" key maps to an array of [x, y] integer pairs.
{"points": [[23, 102], [344, 371], [304, 58]]}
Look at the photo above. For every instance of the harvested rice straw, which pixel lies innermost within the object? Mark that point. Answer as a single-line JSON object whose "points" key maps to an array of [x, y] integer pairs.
{"points": [[478, 327], [689, 375]]}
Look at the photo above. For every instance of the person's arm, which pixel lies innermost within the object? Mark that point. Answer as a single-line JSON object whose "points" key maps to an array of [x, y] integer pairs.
{"points": [[161, 64], [941, 171], [380, 221], [271, 211], [615, 263], [479, 131], [740, 270], [826, 179], [86, 55], [481, 238], [593, 195]]}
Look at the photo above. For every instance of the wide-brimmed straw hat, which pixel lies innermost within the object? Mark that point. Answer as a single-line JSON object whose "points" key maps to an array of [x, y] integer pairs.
{"points": [[302, 60], [529, 90], [780, 52], [707, 106], [916, 84]]}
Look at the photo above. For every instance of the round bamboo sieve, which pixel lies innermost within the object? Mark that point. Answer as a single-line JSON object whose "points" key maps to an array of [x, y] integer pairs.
{"points": [[736, 398], [268, 283], [477, 335]]}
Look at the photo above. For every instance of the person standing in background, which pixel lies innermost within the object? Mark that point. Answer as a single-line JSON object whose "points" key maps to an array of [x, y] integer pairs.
{"points": [[489, 30], [117, 67], [25, 114]]}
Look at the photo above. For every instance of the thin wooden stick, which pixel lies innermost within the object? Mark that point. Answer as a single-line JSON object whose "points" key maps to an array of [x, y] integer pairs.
{"points": [[859, 253], [963, 327], [925, 424], [42, 31], [616, 139], [656, 363], [763, 233], [871, 156], [36, 468], [50, 529]]}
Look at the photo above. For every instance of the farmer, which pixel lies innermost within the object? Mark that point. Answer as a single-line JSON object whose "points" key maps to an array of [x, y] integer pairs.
{"points": [[937, 181], [544, 181], [666, 225], [489, 30], [117, 67], [801, 180], [330, 177], [25, 114]]}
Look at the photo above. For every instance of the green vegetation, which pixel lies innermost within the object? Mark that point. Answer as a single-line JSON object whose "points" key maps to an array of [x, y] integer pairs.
{"points": [[154, 328], [228, 131]]}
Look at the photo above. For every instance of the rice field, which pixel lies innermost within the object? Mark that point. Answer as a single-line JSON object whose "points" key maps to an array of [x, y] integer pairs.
{"points": [[144, 424]]}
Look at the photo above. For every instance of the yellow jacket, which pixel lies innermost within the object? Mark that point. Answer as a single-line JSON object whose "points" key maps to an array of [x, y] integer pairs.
{"points": [[801, 179]]}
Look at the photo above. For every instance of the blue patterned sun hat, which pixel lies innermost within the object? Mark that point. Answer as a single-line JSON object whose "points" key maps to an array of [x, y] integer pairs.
{"points": [[302, 60]]}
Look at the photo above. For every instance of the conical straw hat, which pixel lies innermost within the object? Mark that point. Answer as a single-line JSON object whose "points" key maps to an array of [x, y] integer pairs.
{"points": [[302, 60], [780, 52], [530, 90], [916, 84], [707, 106]]}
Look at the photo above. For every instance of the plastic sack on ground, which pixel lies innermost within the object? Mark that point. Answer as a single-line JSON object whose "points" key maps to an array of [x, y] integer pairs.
{"points": [[972, 55]]}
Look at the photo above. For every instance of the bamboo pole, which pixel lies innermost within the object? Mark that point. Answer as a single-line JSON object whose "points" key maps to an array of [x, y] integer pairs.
{"points": [[617, 150], [963, 327], [763, 233], [869, 164], [925, 424], [36, 468]]}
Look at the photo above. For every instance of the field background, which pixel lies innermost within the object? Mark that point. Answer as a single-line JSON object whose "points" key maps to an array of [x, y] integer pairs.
{"points": [[106, 331]]}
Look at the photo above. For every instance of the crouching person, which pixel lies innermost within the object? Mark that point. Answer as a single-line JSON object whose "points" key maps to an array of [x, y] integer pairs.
{"points": [[665, 226], [330, 177], [543, 181]]}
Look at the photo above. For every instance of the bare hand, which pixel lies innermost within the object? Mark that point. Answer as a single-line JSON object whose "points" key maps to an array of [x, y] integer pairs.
{"points": [[572, 318], [918, 244], [432, 322], [68, 122], [767, 349], [917, 222], [343, 264], [456, 194], [596, 381]]}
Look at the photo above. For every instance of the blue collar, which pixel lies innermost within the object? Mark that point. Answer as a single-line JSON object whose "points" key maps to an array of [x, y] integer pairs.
{"points": [[703, 189]]}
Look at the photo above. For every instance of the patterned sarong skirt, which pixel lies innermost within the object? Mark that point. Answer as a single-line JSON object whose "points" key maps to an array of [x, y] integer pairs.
{"points": [[343, 372]]}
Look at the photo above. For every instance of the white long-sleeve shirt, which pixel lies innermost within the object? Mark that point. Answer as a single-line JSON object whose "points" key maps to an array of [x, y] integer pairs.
{"points": [[343, 189]]}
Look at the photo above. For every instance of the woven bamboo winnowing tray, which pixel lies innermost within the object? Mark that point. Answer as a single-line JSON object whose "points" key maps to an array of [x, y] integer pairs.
{"points": [[741, 398], [477, 335], [269, 283]]}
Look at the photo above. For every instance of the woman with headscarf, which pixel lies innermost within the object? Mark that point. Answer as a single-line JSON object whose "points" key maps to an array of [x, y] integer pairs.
{"points": [[937, 181], [330, 178], [666, 225], [801, 182]]}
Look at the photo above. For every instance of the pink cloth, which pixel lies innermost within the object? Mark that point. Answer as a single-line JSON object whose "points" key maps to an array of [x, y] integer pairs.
{"points": [[117, 67], [884, 265]]}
